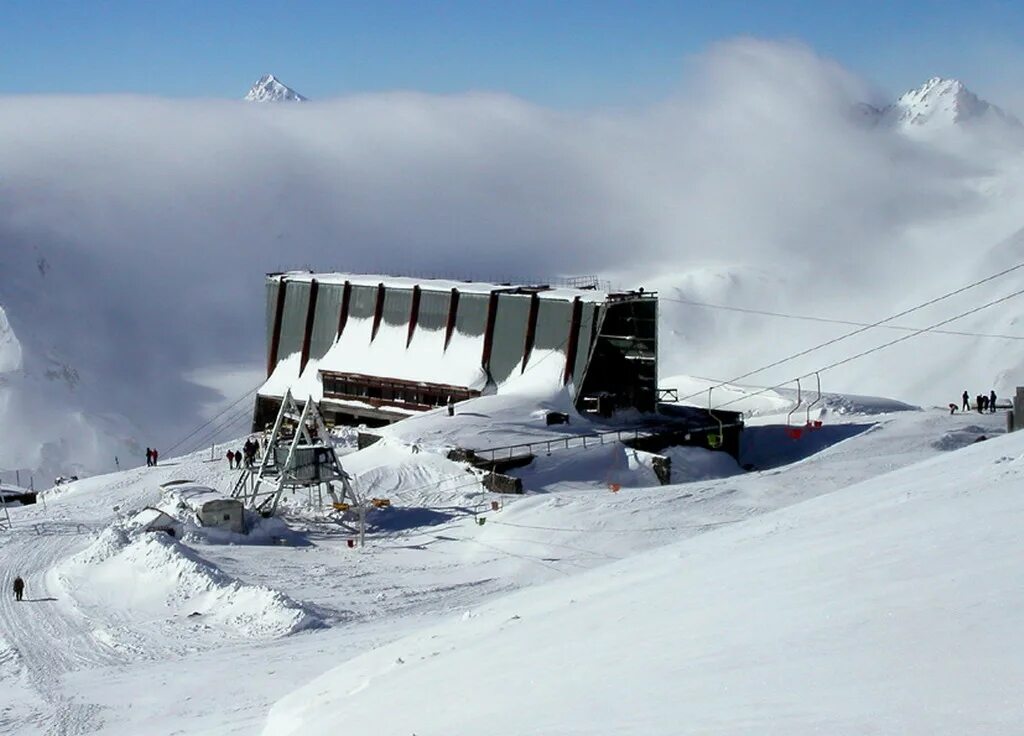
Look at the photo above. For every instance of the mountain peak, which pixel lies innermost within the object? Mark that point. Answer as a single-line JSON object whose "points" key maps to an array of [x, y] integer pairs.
{"points": [[269, 88], [941, 102]]}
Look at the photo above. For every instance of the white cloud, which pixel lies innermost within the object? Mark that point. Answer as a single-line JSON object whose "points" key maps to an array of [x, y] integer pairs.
{"points": [[154, 220]]}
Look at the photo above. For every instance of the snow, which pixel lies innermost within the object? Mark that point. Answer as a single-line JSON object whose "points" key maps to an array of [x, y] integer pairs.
{"points": [[152, 578], [942, 102], [270, 89], [864, 577], [426, 359], [10, 348], [866, 551], [562, 293], [890, 606]]}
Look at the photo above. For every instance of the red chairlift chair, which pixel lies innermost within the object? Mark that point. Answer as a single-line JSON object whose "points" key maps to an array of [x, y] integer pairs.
{"points": [[816, 424]]}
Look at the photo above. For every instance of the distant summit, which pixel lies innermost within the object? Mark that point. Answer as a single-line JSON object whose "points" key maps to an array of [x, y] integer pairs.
{"points": [[943, 102], [935, 105], [269, 89]]}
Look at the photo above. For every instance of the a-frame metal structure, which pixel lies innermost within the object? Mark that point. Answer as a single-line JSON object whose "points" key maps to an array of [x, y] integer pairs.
{"points": [[261, 491]]}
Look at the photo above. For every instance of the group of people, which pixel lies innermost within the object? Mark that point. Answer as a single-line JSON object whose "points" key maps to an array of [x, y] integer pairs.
{"points": [[151, 456], [982, 403], [247, 454]]}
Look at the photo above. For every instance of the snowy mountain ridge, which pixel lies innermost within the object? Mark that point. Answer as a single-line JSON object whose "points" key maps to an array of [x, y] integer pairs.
{"points": [[269, 88], [937, 104]]}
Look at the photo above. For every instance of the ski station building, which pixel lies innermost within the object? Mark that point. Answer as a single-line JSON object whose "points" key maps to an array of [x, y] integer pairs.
{"points": [[375, 349]]}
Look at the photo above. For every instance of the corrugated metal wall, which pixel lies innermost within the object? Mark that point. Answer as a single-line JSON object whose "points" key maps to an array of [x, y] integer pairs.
{"points": [[293, 321], [364, 298], [397, 306], [509, 335], [273, 287], [325, 324], [553, 322], [434, 310], [588, 315], [511, 318], [472, 316]]}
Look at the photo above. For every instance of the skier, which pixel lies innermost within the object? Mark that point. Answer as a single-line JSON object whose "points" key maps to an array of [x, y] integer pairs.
{"points": [[992, 401], [967, 402], [19, 588]]}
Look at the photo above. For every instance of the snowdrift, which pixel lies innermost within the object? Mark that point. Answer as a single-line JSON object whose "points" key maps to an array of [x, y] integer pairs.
{"points": [[891, 606], [153, 575]]}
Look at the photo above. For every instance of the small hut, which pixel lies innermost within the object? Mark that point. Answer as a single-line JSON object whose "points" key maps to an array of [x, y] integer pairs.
{"points": [[211, 508]]}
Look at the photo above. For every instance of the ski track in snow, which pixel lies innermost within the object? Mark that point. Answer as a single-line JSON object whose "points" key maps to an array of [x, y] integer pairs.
{"points": [[50, 638]]}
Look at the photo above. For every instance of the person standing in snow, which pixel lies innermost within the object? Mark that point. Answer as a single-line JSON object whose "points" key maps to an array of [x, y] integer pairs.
{"points": [[992, 401], [451, 407], [19, 588], [155, 456], [978, 403], [231, 459], [967, 402], [149, 457]]}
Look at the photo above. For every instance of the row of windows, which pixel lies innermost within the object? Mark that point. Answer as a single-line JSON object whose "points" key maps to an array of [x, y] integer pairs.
{"points": [[390, 392]]}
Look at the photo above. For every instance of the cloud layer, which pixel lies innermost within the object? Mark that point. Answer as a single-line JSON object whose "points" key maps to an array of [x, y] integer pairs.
{"points": [[135, 232]]}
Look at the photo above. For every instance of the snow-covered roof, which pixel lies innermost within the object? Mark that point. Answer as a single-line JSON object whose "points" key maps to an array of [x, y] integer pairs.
{"points": [[150, 517], [195, 496], [467, 287]]}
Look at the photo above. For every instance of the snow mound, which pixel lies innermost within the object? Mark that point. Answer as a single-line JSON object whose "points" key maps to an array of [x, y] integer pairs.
{"points": [[962, 437], [154, 575], [690, 464]]}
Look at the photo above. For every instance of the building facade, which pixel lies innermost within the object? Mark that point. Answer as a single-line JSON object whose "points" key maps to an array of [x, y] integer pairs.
{"points": [[374, 349]]}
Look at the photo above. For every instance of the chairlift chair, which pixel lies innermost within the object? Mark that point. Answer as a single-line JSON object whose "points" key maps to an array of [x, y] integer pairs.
{"points": [[793, 431], [816, 424], [715, 440]]}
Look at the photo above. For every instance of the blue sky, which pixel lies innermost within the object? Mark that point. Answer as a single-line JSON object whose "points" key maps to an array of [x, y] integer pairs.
{"points": [[565, 54]]}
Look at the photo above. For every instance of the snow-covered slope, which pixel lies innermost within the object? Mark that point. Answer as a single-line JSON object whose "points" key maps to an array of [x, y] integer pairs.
{"points": [[269, 88], [127, 634], [890, 606]]}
